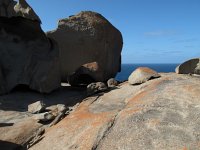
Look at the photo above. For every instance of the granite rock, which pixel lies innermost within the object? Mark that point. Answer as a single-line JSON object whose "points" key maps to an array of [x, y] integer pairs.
{"points": [[96, 87], [36, 107], [141, 75], [86, 38], [112, 83], [153, 115], [191, 66]]}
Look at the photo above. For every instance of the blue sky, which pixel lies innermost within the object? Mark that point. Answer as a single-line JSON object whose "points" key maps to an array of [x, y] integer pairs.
{"points": [[154, 31]]}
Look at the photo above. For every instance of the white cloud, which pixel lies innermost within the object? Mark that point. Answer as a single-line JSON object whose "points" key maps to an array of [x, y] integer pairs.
{"points": [[160, 33]]}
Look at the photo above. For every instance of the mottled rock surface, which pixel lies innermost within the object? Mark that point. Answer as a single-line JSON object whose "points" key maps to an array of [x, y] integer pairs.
{"points": [[86, 38], [141, 75], [96, 87], [112, 83], [191, 66], [153, 115]]}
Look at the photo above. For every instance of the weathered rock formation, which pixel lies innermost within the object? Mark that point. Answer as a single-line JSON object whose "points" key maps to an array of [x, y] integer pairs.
{"points": [[191, 66], [141, 75], [159, 114], [27, 56], [88, 38]]}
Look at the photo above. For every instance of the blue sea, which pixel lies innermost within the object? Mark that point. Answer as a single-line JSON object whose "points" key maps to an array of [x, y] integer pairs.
{"points": [[127, 69]]}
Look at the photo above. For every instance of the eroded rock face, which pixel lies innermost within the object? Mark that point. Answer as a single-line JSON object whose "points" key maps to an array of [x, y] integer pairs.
{"points": [[27, 56], [141, 75], [87, 38], [189, 67]]}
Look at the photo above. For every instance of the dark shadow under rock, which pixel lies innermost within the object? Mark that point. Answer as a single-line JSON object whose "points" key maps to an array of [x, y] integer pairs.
{"points": [[4, 145]]}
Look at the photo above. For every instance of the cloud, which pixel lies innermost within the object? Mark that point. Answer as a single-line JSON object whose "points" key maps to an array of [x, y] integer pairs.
{"points": [[172, 52], [160, 33], [189, 46], [186, 40]]}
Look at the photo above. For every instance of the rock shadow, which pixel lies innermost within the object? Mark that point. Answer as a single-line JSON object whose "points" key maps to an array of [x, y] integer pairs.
{"points": [[4, 145], [21, 97]]}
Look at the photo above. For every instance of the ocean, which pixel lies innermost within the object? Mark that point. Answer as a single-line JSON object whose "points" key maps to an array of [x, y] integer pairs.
{"points": [[127, 69]]}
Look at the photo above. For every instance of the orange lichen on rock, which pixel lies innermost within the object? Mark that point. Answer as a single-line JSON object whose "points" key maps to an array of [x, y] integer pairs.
{"points": [[81, 127], [147, 70]]}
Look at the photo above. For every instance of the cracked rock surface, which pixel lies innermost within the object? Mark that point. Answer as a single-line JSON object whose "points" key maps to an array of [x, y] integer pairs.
{"points": [[160, 114]]}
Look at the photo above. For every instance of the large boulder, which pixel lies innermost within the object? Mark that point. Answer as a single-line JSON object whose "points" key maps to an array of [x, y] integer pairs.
{"points": [[191, 66], [141, 75], [27, 56], [88, 38]]}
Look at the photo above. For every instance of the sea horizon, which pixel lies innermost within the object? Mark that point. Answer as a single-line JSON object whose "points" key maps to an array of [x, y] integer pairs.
{"points": [[128, 68]]}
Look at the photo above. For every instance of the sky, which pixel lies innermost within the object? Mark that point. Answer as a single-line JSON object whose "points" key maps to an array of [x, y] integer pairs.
{"points": [[154, 31]]}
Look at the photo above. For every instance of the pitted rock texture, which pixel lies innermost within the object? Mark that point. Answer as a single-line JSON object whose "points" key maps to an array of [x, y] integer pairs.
{"points": [[160, 114], [191, 66], [141, 75], [86, 38]]}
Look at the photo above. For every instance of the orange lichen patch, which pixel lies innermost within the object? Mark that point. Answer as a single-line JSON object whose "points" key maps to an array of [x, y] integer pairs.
{"points": [[185, 148], [147, 70], [132, 104], [193, 89], [153, 122], [136, 99], [82, 126], [93, 66], [128, 112]]}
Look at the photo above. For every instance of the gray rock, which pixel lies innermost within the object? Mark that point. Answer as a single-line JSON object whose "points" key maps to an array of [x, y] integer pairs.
{"points": [[44, 117], [61, 107], [96, 87], [27, 56], [141, 75], [112, 82], [88, 38], [161, 115], [36, 107], [191, 66]]}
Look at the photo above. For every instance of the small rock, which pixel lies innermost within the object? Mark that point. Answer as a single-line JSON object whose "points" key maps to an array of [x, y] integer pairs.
{"points": [[112, 82], [61, 107], [141, 75], [47, 116], [36, 107], [96, 87]]}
